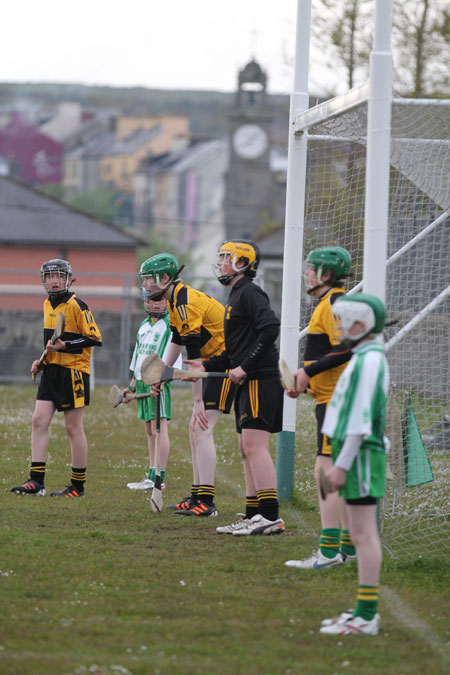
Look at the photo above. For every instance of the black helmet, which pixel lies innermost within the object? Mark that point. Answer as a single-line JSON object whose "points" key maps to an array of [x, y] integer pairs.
{"points": [[62, 268]]}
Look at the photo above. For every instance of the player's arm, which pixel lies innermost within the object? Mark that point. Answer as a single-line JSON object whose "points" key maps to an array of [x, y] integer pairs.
{"points": [[218, 364], [266, 324], [89, 333], [335, 357], [172, 352]]}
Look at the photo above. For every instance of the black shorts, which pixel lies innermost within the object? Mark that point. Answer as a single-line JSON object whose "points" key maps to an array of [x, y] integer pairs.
{"points": [[364, 501], [65, 387], [258, 404], [218, 394], [323, 444]]}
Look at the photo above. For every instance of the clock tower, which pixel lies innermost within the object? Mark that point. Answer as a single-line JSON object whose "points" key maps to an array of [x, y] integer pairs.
{"points": [[248, 181]]}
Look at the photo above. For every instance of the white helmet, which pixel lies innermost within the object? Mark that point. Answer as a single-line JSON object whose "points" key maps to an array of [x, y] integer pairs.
{"points": [[362, 307]]}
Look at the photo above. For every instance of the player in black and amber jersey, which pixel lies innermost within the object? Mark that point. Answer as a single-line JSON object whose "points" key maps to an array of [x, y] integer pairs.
{"points": [[325, 358], [64, 384], [251, 329], [196, 321]]}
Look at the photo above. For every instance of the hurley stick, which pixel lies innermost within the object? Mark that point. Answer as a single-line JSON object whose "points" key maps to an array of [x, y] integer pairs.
{"points": [[154, 370], [156, 501], [116, 398], [287, 376], [59, 330]]}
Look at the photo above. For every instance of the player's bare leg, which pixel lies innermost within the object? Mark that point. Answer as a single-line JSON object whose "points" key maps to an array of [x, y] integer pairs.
{"points": [[73, 421], [40, 422], [332, 516], [364, 533], [332, 508], [262, 475], [365, 618], [164, 442], [203, 462]]}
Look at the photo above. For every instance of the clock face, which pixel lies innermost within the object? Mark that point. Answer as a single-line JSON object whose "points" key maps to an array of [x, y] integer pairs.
{"points": [[250, 141]]}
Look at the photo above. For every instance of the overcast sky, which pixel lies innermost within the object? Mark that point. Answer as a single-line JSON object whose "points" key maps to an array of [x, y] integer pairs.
{"points": [[170, 44]]}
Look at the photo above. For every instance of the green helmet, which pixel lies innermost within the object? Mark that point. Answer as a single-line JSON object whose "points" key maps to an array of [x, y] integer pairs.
{"points": [[362, 307], [332, 258], [155, 267]]}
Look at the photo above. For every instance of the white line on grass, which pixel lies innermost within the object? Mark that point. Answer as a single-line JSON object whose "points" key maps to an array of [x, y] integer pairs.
{"points": [[414, 624]]}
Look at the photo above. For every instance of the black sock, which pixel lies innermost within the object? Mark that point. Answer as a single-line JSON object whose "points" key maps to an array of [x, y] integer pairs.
{"points": [[268, 503], [37, 472], [206, 494], [78, 478], [251, 506]]}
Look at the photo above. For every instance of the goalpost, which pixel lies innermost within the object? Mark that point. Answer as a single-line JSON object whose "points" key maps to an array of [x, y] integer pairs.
{"points": [[410, 230]]}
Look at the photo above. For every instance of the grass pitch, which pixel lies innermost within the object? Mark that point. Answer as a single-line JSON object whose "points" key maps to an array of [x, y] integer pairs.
{"points": [[103, 585]]}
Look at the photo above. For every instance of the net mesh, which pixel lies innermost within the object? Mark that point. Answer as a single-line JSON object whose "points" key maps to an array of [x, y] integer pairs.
{"points": [[415, 513]]}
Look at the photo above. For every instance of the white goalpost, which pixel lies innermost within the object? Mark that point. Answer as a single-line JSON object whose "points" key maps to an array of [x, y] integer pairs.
{"points": [[375, 171]]}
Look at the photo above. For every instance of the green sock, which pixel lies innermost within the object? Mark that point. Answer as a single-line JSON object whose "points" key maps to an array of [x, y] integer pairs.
{"points": [[367, 602], [152, 472], [329, 542], [347, 547]]}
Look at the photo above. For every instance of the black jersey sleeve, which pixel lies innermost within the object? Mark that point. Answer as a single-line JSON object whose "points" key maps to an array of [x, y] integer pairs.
{"points": [[265, 322], [217, 364], [336, 357], [176, 337], [81, 343], [266, 337]]}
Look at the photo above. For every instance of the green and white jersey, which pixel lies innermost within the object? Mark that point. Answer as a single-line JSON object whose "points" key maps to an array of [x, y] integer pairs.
{"points": [[151, 338], [358, 404]]}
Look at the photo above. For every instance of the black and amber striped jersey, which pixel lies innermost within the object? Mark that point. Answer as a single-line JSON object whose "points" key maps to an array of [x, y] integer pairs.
{"points": [[324, 359], [196, 321], [80, 332]]}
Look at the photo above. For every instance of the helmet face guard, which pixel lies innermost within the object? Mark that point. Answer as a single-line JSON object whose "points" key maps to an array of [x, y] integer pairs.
{"points": [[368, 310], [156, 309], [237, 251], [60, 269]]}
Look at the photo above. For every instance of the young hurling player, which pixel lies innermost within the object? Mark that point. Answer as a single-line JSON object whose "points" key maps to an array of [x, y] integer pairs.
{"points": [[324, 360], [196, 321], [251, 329], [64, 385], [153, 337], [355, 422]]}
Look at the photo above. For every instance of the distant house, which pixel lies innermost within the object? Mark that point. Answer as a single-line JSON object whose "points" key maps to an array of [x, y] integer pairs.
{"points": [[33, 156], [113, 157], [35, 228], [186, 192]]}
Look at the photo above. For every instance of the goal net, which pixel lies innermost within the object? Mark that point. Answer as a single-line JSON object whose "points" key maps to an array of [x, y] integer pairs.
{"points": [[415, 515]]}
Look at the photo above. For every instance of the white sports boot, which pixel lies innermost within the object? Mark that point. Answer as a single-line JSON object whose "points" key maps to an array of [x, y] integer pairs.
{"points": [[316, 561], [145, 484], [260, 525], [355, 625], [230, 529]]}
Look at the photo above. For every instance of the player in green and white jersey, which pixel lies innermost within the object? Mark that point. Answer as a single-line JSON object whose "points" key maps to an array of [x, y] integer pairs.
{"points": [[153, 336], [355, 421]]}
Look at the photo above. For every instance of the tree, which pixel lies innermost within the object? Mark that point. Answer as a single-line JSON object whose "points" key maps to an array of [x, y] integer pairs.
{"points": [[420, 42], [344, 30], [55, 190], [421, 48], [100, 202]]}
